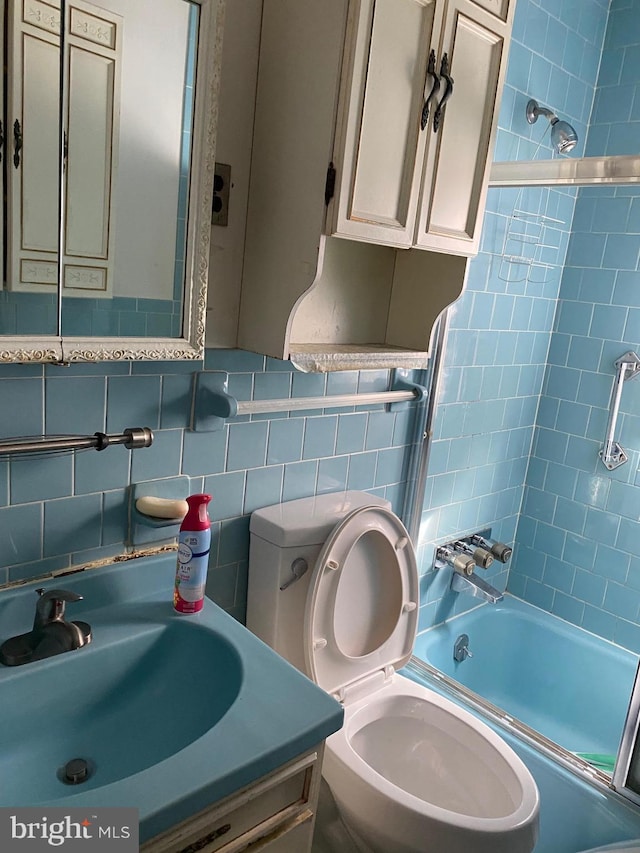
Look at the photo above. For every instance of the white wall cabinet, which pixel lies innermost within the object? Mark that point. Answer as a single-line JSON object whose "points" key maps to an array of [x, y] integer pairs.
{"points": [[92, 60], [275, 814], [360, 221], [410, 174], [457, 165]]}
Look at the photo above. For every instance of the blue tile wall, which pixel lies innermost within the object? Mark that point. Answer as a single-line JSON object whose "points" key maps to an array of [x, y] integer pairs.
{"points": [[615, 124], [538, 479], [69, 509], [554, 58], [500, 333], [577, 552], [577, 547]]}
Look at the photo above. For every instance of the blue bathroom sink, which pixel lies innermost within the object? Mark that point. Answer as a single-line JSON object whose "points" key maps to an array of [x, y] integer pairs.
{"points": [[166, 713], [120, 706]]}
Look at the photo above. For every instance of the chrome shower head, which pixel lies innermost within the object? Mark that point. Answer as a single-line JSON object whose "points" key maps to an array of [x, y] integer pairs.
{"points": [[563, 136]]}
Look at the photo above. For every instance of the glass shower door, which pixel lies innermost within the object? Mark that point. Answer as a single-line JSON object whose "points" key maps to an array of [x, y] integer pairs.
{"points": [[626, 775]]}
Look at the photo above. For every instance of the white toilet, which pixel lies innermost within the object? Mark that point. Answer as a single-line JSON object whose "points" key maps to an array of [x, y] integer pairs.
{"points": [[410, 771]]}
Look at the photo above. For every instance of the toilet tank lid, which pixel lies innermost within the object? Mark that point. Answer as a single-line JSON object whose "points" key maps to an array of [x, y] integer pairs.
{"points": [[308, 521]]}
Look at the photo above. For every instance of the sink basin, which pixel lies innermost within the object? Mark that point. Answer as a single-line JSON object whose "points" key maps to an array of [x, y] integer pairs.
{"points": [[169, 713], [121, 707]]}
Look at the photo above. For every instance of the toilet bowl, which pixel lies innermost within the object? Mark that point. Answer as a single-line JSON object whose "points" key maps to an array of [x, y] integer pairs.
{"points": [[410, 771]]}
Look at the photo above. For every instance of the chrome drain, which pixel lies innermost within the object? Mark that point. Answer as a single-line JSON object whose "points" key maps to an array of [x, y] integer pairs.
{"points": [[76, 771]]}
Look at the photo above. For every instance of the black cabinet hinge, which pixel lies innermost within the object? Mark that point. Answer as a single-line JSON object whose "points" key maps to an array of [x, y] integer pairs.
{"points": [[330, 185]]}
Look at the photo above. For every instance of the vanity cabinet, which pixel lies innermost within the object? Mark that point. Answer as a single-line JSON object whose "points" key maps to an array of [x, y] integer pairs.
{"points": [[365, 203], [274, 814]]}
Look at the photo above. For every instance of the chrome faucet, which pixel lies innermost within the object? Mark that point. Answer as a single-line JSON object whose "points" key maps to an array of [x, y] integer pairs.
{"points": [[475, 586], [51, 634]]}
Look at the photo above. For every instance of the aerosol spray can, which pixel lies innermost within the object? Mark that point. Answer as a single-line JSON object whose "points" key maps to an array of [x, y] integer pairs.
{"points": [[194, 542]]}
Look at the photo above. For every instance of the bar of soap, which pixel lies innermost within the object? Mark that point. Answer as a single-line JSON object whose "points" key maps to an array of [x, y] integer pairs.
{"points": [[162, 507]]}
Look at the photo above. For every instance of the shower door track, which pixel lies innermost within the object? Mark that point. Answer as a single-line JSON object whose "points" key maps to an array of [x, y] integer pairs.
{"points": [[521, 730]]}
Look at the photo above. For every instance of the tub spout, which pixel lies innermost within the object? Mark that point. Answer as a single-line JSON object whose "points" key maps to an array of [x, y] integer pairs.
{"points": [[475, 586]]}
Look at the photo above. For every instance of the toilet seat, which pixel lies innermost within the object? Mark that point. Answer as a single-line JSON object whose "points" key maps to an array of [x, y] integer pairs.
{"points": [[362, 606]]}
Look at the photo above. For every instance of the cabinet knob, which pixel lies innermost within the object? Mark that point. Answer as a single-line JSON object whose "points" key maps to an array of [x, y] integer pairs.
{"points": [[444, 73], [431, 70]]}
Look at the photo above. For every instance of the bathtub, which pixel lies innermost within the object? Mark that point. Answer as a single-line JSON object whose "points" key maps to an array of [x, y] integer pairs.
{"points": [[567, 684]]}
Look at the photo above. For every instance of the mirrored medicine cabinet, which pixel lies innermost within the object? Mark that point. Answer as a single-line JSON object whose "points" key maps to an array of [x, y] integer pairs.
{"points": [[109, 117]]}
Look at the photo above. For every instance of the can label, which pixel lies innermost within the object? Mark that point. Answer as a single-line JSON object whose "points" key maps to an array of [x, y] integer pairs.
{"points": [[191, 571]]}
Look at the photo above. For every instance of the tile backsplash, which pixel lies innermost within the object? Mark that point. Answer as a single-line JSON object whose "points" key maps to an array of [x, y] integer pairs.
{"points": [[68, 509]]}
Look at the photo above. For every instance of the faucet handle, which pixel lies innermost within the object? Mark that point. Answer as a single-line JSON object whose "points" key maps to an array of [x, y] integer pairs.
{"points": [[460, 562], [481, 556], [51, 604], [499, 550]]}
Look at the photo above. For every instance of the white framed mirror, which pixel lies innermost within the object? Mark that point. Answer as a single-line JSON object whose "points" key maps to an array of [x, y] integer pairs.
{"points": [[109, 117]]}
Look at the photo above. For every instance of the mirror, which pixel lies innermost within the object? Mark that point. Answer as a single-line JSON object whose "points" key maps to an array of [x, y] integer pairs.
{"points": [[109, 158]]}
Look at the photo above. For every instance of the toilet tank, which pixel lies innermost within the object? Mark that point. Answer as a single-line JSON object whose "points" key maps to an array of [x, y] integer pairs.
{"points": [[279, 535]]}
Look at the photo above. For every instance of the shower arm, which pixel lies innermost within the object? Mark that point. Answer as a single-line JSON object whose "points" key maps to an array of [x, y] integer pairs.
{"points": [[613, 454], [547, 113]]}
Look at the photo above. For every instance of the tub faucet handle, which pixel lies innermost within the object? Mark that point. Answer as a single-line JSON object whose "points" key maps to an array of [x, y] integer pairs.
{"points": [[481, 556], [500, 550], [463, 563], [459, 561]]}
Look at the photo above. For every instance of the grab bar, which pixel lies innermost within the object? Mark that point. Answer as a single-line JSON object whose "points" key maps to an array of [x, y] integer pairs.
{"points": [[213, 406], [613, 454], [131, 438]]}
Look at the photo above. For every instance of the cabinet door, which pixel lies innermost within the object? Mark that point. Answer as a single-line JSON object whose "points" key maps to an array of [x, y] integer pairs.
{"points": [[93, 64], [33, 146], [455, 178], [92, 68], [379, 146]]}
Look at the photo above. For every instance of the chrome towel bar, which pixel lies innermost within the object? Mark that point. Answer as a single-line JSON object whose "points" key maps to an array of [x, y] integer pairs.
{"points": [[131, 438], [613, 454]]}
